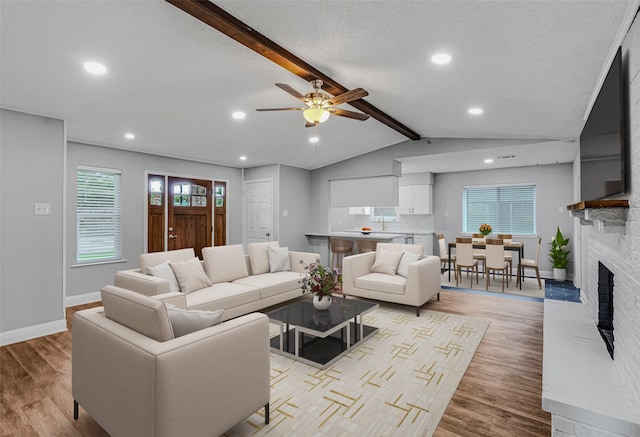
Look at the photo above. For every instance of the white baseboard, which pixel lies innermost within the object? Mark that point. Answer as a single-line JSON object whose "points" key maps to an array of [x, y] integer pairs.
{"points": [[81, 299], [35, 331]]}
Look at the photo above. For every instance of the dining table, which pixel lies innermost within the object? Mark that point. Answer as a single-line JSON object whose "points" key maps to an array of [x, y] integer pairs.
{"points": [[514, 246]]}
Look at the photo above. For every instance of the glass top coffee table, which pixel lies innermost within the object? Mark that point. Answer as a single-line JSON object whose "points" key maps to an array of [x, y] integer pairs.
{"points": [[320, 338]]}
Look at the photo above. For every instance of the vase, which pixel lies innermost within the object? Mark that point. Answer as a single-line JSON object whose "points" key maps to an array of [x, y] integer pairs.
{"points": [[559, 275], [321, 303]]}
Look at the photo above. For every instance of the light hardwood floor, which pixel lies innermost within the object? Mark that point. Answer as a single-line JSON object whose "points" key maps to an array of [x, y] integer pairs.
{"points": [[499, 395]]}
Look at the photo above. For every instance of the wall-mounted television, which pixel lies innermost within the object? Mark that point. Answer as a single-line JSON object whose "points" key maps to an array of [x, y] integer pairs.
{"points": [[604, 139]]}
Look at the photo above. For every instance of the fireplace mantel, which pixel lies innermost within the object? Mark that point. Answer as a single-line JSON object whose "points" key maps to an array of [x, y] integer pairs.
{"points": [[609, 216]]}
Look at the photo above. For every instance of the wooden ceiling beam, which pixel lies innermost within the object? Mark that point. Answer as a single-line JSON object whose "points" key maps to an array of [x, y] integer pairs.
{"points": [[229, 25]]}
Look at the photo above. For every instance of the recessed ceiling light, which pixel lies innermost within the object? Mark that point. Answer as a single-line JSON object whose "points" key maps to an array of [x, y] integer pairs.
{"points": [[441, 58], [95, 68], [475, 111], [488, 161], [238, 115], [129, 136], [243, 158], [314, 139]]}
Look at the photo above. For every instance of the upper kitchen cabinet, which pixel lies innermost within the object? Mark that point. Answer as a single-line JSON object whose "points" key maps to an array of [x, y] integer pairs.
{"points": [[415, 199]]}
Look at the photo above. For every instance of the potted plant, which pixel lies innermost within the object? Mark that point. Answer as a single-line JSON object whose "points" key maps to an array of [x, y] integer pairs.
{"points": [[322, 282], [559, 256], [485, 229]]}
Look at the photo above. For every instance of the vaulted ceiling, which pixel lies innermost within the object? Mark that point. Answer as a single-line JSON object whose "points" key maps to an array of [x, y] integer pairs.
{"points": [[174, 81]]}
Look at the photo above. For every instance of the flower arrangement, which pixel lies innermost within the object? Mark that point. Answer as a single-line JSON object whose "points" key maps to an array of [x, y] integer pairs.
{"points": [[320, 280], [485, 229], [559, 254]]}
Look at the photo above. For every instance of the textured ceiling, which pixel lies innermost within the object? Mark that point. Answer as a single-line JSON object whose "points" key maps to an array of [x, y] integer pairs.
{"points": [[173, 81]]}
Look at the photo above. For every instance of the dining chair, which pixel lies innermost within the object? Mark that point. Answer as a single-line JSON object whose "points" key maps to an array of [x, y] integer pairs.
{"points": [[340, 246], [495, 260], [465, 258], [479, 254], [508, 256], [366, 245], [444, 256], [531, 264]]}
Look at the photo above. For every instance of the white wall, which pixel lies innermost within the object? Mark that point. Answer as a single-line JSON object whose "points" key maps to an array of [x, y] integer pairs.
{"points": [[554, 191], [32, 152]]}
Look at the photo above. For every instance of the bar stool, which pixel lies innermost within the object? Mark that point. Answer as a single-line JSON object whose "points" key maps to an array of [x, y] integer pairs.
{"points": [[366, 245], [340, 246]]}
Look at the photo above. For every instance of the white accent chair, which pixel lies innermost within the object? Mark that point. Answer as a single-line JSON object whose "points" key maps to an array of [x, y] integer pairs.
{"points": [[135, 379], [508, 256], [530, 264], [421, 283], [444, 255]]}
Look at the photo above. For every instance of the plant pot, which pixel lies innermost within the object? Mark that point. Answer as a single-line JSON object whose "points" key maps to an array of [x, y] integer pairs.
{"points": [[559, 275], [321, 303]]}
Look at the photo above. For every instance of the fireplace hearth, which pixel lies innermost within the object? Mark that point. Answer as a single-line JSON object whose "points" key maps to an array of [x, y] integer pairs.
{"points": [[605, 306]]}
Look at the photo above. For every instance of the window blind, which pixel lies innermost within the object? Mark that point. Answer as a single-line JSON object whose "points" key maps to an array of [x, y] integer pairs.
{"points": [[508, 209], [98, 215]]}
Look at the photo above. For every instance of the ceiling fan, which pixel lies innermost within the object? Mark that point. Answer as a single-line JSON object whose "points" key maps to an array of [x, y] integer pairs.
{"points": [[319, 106]]}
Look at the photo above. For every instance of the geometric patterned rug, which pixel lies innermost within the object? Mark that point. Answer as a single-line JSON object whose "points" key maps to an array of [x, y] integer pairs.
{"points": [[397, 383]]}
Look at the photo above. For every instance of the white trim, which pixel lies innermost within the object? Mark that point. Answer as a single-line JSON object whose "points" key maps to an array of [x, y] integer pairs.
{"points": [[33, 331], [81, 299], [99, 169], [65, 181]]}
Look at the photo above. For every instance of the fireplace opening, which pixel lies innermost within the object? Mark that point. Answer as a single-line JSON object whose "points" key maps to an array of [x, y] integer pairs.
{"points": [[605, 306]]}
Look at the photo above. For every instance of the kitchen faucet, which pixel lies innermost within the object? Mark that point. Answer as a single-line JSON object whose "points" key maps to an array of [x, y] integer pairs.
{"points": [[384, 226]]}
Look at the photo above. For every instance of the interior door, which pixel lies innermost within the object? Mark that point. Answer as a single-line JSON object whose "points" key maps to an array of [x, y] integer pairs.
{"points": [[189, 214], [259, 200]]}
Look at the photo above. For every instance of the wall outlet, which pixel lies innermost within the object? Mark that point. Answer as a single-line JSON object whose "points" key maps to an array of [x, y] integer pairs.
{"points": [[285, 213], [42, 209]]}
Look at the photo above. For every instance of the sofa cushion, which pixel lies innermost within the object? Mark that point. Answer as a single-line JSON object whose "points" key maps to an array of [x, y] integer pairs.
{"points": [[223, 295], [185, 322], [272, 284], [405, 261], [225, 263], [386, 262], [155, 258], [278, 259], [138, 312], [190, 275], [164, 270], [392, 284], [259, 256]]}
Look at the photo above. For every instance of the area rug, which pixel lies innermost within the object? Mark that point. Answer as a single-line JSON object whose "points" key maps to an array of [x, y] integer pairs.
{"points": [[529, 285], [397, 383]]}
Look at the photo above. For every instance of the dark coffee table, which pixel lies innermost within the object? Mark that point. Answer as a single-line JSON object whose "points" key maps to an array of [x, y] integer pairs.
{"points": [[320, 338]]}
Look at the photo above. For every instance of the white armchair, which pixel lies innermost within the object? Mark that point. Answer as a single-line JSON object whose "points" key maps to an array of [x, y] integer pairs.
{"points": [[415, 283], [138, 380]]}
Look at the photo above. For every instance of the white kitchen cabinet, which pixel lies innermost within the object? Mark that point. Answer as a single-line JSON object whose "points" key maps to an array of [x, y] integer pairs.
{"points": [[360, 210], [415, 199], [426, 241]]}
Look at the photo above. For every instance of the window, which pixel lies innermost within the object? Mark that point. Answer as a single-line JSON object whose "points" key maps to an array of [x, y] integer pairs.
{"points": [[99, 215], [388, 213], [508, 209]]}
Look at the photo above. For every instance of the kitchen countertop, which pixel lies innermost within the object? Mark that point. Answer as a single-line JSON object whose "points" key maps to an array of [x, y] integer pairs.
{"points": [[382, 236]]}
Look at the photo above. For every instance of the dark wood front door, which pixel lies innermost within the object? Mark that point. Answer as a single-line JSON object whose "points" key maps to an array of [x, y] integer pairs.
{"points": [[189, 209]]}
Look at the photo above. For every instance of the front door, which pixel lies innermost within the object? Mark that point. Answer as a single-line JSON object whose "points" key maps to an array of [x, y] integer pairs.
{"points": [[188, 206], [259, 200]]}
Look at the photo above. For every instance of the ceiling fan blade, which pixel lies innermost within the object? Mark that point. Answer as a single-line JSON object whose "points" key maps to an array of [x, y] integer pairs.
{"points": [[281, 109], [310, 124], [350, 114], [294, 93], [354, 94]]}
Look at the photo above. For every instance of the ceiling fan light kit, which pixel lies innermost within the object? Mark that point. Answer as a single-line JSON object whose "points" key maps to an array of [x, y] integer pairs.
{"points": [[316, 115]]}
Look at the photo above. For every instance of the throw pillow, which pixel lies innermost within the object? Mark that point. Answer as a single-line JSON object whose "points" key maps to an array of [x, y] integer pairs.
{"points": [[185, 322], [386, 262], [279, 259], [259, 257], [407, 258], [138, 312], [190, 275], [164, 270], [225, 263]]}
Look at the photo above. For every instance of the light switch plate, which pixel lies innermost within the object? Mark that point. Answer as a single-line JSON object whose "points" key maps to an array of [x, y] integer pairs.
{"points": [[42, 209]]}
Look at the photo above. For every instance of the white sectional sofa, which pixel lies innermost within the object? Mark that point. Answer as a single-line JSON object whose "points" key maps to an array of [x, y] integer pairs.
{"points": [[226, 278], [393, 273]]}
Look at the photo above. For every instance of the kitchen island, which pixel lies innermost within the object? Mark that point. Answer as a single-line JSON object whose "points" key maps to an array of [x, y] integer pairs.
{"points": [[319, 241]]}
